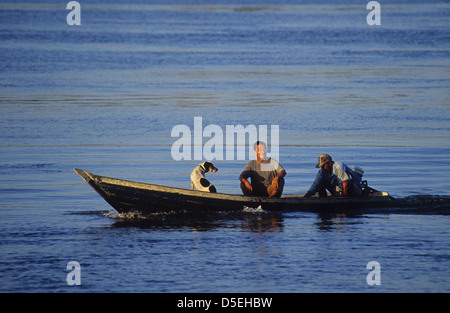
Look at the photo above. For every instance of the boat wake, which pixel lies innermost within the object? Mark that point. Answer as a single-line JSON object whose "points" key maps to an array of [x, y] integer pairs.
{"points": [[136, 215], [415, 200], [248, 209], [422, 204], [253, 219], [413, 204], [260, 220]]}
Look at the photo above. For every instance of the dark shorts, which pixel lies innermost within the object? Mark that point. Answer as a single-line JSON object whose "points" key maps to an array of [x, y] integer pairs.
{"points": [[265, 192]]}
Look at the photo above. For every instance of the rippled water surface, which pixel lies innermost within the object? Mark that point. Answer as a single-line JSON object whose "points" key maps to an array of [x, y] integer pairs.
{"points": [[105, 96]]}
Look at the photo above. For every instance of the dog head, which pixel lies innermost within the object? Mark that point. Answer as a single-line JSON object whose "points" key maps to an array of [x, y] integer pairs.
{"points": [[209, 167]]}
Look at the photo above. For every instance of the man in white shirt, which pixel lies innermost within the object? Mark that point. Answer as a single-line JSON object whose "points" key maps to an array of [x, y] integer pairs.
{"points": [[335, 177]]}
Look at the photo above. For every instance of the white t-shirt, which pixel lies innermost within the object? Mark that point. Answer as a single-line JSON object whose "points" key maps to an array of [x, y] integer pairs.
{"points": [[340, 173]]}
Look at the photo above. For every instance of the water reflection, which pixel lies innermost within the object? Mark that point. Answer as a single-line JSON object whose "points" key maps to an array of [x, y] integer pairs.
{"points": [[259, 224], [336, 221], [251, 222]]}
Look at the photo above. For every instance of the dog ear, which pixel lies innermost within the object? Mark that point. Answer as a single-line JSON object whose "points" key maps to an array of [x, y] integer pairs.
{"points": [[207, 166]]}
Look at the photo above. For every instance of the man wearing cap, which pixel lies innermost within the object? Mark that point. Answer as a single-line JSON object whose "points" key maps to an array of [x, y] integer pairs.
{"points": [[335, 177]]}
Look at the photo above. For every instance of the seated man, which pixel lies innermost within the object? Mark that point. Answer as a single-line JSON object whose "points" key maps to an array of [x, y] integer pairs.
{"points": [[267, 175], [335, 177]]}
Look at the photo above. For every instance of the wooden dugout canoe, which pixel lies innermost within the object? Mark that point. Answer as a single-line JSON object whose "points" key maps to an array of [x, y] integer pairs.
{"points": [[128, 197]]}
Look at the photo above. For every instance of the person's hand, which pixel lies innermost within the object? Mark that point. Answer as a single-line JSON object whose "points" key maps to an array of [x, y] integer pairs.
{"points": [[248, 185], [275, 182]]}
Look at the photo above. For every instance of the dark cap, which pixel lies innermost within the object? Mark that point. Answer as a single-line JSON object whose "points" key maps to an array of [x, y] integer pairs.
{"points": [[324, 158]]}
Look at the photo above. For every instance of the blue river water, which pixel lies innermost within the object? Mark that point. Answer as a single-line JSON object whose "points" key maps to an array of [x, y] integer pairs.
{"points": [[105, 96]]}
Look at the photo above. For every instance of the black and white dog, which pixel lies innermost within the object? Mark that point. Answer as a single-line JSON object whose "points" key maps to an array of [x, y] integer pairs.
{"points": [[198, 177]]}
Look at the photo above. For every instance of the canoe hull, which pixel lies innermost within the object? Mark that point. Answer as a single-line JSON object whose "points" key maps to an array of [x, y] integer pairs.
{"points": [[128, 197]]}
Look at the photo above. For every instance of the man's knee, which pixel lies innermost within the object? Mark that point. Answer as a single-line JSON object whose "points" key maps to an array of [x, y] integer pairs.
{"points": [[245, 190], [274, 190], [322, 193]]}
